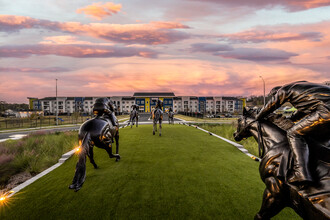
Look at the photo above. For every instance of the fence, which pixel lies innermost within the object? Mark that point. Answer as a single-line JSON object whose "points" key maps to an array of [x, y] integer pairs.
{"points": [[192, 114], [10, 123]]}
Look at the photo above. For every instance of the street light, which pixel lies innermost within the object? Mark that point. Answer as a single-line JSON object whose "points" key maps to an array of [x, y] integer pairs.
{"points": [[264, 90], [56, 105]]}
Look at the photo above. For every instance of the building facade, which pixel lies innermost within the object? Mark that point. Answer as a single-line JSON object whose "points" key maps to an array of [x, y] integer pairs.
{"points": [[146, 102]]}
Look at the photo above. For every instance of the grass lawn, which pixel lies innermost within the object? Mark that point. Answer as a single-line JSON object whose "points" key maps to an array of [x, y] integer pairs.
{"points": [[185, 174], [227, 131]]}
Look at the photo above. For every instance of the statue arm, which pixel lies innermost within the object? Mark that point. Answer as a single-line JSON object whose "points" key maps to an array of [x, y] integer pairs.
{"points": [[274, 103]]}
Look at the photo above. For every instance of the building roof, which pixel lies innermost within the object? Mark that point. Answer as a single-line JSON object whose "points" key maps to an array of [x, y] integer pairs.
{"points": [[154, 94], [48, 98], [128, 98], [230, 98]]}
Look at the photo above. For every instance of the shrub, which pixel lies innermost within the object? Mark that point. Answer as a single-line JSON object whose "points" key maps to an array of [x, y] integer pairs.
{"points": [[33, 153]]}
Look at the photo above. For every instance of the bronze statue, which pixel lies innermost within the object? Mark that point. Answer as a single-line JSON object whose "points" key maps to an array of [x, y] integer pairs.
{"points": [[157, 117], [276, 166], [312, 102], [100, 132], [134, 115], [170, 116]]}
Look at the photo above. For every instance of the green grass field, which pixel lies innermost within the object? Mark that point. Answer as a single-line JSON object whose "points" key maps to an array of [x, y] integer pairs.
{"points": [[227, 131], [185, 174]]}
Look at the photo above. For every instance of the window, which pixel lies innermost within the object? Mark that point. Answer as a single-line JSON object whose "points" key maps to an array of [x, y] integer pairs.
{"points": [[142, 102], [218, 102], [138, 102]]}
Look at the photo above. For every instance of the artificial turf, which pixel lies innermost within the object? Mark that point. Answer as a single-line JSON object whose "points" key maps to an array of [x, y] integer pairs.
{"points": [[184, 174]]}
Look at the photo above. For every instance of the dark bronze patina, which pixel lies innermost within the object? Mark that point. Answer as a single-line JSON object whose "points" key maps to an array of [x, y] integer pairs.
{"points": [[134, 115], [157, 117], [100, 132], [312, 102], [170, 116], [311, 201]]}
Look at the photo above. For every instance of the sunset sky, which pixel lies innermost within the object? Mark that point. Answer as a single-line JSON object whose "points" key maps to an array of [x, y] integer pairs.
{"points": [[189, 47]]}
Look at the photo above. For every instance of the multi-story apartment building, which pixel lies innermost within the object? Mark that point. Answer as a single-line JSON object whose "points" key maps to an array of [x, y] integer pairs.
{"points": [[145, 101]]}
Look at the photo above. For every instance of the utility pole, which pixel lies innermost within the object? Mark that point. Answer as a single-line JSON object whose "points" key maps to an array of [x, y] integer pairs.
{"points": [[264, 90], [56, 105]]}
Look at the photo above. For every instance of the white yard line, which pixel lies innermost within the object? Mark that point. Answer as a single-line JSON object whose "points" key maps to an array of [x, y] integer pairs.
{"points": [[238, 146]]}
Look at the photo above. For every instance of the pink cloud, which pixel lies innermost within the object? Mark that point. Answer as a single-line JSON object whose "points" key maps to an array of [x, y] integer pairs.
{"points": [[168, 25], [207, 47], [150, 34], [98, 10], [33, 70], [257, 55], [124, 77], [259, 36], [77, 51], [291, 5]]}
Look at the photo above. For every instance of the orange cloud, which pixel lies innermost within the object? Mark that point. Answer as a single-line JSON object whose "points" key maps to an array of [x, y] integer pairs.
{"points": [[99, 11], [127, 75], [168, 25], [150, 34], [77, 51]]}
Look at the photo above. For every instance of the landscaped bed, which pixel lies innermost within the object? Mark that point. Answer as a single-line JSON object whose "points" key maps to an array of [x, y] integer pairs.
{"points": [[185, 174], [21, 159]]}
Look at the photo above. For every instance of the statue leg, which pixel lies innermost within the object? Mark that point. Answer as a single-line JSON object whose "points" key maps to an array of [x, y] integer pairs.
{"points": [[153, 126], [273, 201], [91, 157], [108, 148], [313, 122], [117, 145], [80, 174], [160, 127], [137, 120]]}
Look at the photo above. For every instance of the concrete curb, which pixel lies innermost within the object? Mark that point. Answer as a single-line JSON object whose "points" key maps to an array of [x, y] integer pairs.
{"points": [[238, 146]]}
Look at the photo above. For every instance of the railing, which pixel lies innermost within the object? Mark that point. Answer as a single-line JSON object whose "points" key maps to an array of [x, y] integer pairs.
{"points": [[14, 123]]}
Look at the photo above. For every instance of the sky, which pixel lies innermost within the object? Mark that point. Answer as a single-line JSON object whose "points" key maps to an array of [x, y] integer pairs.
{"points": [[189, 47]]}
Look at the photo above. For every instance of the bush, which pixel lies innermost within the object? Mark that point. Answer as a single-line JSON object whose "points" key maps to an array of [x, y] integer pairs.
{"points": [[33, 153]]}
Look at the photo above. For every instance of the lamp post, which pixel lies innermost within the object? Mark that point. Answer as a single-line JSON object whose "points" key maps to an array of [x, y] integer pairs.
{"points": [[264, 90], [56, 105]]}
